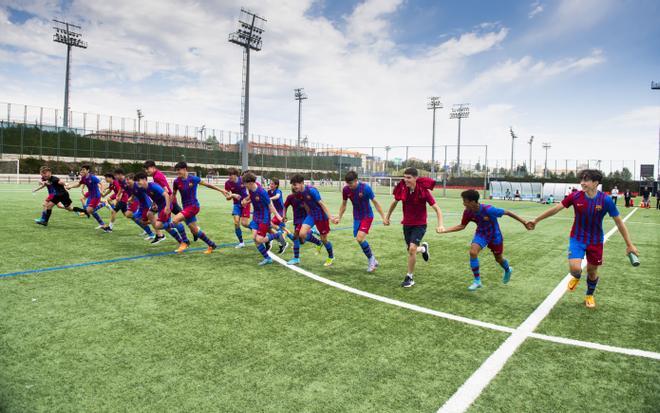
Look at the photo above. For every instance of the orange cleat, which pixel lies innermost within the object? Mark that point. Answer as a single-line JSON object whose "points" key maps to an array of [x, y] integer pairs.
{"points": [[589, 301], [573, 283], [209, 250], [182, 247]]}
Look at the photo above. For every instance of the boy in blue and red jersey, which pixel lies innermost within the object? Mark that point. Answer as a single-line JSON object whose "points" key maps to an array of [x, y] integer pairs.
{"points": [[237, 192], [590, 206], [261, 219], [138, 205], [92, 182], [361, 196], [488, 234], [186, 185], [296, 203], [317, 215], [276, 196], [161, 206], [161, 179]]}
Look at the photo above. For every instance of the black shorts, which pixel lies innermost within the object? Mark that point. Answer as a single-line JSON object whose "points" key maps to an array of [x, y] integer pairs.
{"points": [[413, 234], [62, 198], [120, 206], [176, 208]]}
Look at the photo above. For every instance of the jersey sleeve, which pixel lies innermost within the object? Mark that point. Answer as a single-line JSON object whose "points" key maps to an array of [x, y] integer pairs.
{"points": [[369, 192], [495, 212], [568, 201], [287, 203], [428, 196], [465, 219], [157, 188], [345, 193], [610, 207], [316, 196], [227, 185], [196, 179]]}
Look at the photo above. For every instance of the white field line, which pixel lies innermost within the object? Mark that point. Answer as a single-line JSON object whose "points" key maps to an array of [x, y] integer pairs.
{"points": [[477, 382], [597, 346], [391, 301]]}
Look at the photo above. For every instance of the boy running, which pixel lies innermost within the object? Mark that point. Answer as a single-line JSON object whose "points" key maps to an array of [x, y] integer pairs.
{"points": [[488, 234], [295, 201], [93, 184], [261, 221], [318, 215], [276, 196], [138, 206], [186, 184], [241, 213], [360, 195], [57, 194], [414, 193], [590, 206]]}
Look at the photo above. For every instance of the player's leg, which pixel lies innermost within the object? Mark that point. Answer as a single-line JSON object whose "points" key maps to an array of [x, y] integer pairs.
{"points": [[360, 231], [236, 216], [413, 236], [324, 229], [91, 208], [475, 248], [497, 248], [576, 252], [260, 236], [148, 217], [45, 213], [296, 246], [594, 260]]}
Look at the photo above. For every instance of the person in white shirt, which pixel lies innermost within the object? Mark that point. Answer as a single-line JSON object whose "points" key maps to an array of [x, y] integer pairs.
{"points": [[614, 194]]}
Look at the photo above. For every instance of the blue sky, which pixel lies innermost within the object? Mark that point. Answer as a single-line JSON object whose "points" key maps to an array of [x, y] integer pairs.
{"points": [[573, 73]]}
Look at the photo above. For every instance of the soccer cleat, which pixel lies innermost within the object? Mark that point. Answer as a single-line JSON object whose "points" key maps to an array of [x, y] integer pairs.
{"points": [[408, 282], [283, 248], [328, 262], [240, 245], [293, 261], [209, 250], [318, 249], [195, 238], [144, 234], [40, 221], [426, 255], [107, 230], [573, 283], [589, 301], [82, 214], [149, 237], [373, 264], [266, 261], [100, 227], [475, 286], [157, 239], [507, 275], [182, 247]]}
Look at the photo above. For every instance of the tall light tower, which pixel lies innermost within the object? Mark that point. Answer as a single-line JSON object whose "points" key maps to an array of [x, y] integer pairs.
{"points": [[656, 86], [530, 141], [65, 35], [546, 146], [513, 141], [459, 111], [248, 36], [299, 95], [140, 115], [434, 103]]}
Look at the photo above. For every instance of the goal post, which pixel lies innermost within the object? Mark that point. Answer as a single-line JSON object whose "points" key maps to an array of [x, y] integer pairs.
{"points": [[10, 171]]}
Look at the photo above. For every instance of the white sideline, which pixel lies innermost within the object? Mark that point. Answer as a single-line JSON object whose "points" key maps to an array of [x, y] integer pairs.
{"points": [[597, 346], [390, 301], [477, 382]]}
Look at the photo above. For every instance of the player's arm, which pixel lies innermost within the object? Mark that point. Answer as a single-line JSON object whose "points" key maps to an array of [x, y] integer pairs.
{"points": [[630, 247], [342, 209], [379, 209], [246, 200], [393, 205], [455, 228], [105, 192], [215, 188], [548, 213], [276, 196], [76, 185], [325, 209], [516, 217], [168, 202], [40, 187], [273, 211], [440, 229]]}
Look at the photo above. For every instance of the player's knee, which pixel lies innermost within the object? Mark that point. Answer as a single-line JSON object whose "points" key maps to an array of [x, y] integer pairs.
{"points": [[412, 249], [576, 273]]}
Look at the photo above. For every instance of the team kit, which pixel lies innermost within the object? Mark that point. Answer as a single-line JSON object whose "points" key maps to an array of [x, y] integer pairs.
{"points": [[158, 208]]}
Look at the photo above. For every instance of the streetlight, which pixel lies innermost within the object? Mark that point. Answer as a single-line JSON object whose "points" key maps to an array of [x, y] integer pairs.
{"points": [[531, 140], [513, 141], [459, 111], [546, 146], [434, 103], [140, 116], [299, 95], [64, 34]]}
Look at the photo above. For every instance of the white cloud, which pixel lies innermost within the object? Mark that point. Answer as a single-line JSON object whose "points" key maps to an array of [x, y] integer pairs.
{"points": [[536, 8]]}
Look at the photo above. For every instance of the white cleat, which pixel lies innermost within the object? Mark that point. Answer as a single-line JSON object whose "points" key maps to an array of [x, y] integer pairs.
{"points": [[240, 245]]}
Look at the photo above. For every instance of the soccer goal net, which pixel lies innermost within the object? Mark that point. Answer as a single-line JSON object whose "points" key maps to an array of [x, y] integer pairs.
{"points": [[9, 171]]}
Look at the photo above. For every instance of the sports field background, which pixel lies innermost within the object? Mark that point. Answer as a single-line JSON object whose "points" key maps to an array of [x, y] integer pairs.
{"points": [[218, 333]]}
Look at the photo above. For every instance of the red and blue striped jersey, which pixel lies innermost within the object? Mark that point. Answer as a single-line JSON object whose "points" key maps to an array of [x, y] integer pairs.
{"points": [[311, 197], [157, 194], [279, 202], [188, 189], [361, 199], [486, 220], [589, 214], [91, 181], [141, 196], [295, 201], [236, 188], [261, 203]]}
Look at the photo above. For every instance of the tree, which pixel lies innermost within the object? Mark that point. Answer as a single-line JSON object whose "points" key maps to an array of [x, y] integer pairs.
{"points": [[212, 141], [626, 175]]}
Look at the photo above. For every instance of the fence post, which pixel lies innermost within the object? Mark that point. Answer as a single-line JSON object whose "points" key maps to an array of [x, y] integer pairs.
{"points": [[486, 172]]}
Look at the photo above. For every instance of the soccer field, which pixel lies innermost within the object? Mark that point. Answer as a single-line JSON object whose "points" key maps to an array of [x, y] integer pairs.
{"points": [[106, 322]]}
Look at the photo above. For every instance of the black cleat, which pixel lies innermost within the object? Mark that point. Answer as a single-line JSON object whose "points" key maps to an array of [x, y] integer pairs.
{"points": [[426, 255]]}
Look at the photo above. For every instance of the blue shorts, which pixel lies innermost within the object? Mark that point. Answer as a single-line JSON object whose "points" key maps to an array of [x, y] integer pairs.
{"points": [[308, 221], [578, 249], [496, 245], [238, 210]]}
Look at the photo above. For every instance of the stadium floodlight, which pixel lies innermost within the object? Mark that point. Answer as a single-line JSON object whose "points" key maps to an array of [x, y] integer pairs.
{"points": [[201, 132], [139, 116], [656, 86], [530, 141], [546, 146], [459, 111], [299, 95], [65, 35], [434, 103], [248, 36], [513, 141]]}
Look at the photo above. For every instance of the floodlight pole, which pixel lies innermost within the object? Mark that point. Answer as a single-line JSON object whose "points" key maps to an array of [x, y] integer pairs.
{"points": [[139, 116], [459, 112], [434, 103], [656, 86], [546, 146], [247, 36], [64, 34], [531, 140], [513, 141], [299, 95]]}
